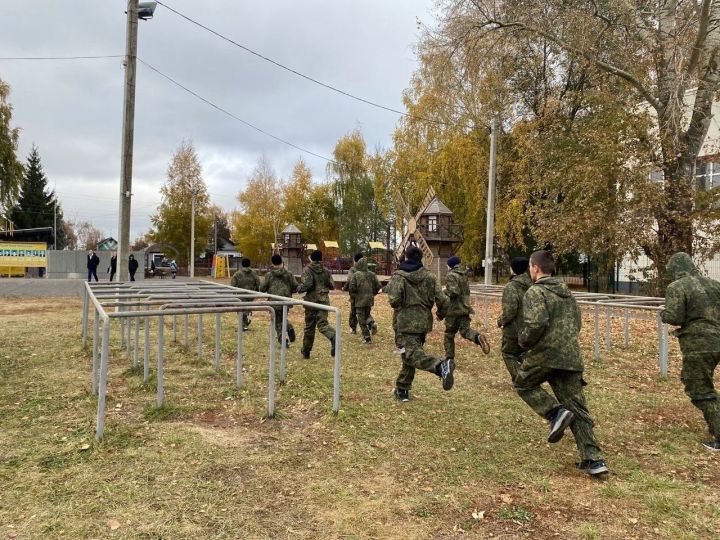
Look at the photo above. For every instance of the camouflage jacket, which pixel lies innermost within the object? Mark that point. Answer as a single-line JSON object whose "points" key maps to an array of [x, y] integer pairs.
{"points": [[280, 282], [412, 292], [363, 285], [692, 302], [347, 283], [457, 290], [511, 318], [316, 283], [246, 278], [551, 324]]}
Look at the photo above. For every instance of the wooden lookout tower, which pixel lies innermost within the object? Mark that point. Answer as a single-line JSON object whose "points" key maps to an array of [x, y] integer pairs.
{"points": [[293, 249]]}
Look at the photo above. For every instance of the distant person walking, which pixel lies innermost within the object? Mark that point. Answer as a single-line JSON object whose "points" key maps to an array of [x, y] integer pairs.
{"points": [[246, 278], [363, 285], [173, 268], [132, 267], [316, 283], [692, 302], [280, 282], [113, 265], [92, 263]]}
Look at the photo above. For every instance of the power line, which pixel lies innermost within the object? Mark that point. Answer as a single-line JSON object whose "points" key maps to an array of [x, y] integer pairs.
{"points": [[61, 57], [231, 115], [283, 66]]}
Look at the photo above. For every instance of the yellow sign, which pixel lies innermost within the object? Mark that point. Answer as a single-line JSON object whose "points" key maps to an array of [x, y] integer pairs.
{"points": [[23, 254]]}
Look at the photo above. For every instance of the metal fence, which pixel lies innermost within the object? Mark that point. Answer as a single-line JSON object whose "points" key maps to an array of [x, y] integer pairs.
{"points": [[131, 303], [610, 305]]}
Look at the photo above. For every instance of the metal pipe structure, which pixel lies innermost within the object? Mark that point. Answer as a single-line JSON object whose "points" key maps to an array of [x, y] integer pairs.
{"points": [[130, 301], [283, 344], [96, 348], [608, 328]]}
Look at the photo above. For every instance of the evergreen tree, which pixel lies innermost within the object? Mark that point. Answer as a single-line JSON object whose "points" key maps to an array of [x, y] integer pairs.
{"points": [[36, 205]]}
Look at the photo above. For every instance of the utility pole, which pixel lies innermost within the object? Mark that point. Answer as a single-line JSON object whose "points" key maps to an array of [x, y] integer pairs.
{"points": [[127, 137], [192, 233], [490, 221], [55, 225]]}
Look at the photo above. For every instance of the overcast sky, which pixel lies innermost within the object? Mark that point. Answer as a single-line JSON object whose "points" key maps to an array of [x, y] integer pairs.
{"points": [[73, 109]]}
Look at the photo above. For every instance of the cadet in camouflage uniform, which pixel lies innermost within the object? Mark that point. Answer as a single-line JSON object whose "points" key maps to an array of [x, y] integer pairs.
{"points": [[692, 302], [280, 282], [512, 315], [352, 319], [551, 323], [457, 317], [246, 278], [316, 283], [364, 285], [413, 291]]}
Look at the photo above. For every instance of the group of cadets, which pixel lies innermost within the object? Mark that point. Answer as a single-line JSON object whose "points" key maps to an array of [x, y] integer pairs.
{"points": [[540, 324]]}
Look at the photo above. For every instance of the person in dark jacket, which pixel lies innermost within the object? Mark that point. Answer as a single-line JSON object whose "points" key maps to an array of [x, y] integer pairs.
{"points": [[316, 283], [511, 318], [457, 316], [112, 269], [280, 282], [363, 286], [92, 263], [132, 267], [246, 278], [352, 319], [413, 291], [692, 302], [551, 324]]}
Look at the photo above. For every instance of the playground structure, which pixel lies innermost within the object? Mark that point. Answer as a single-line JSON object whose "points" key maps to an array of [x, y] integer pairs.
{"points": [[130, 303], [609, 304]]}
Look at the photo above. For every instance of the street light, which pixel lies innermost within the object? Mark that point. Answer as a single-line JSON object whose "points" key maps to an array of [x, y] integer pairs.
{"points": [[135, 10]]}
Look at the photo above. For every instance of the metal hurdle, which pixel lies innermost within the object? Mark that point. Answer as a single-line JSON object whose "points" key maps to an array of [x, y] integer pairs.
{"points": [[133, 301]]}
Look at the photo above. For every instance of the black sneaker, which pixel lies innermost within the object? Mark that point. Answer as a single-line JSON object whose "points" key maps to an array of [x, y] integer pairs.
{"points": [[593, 467], [447, 367], [483, 342], [305, 354], [291, 334], [561, 420], [713, 446], [402, 394], [368, 340], [373, 328]]}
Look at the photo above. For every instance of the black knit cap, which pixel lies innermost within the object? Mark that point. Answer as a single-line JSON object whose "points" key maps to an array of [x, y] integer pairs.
{"points": [[453, 261], [276, 260], [245, 262], [358, 256], [316, 255], [519, 265], [413, 253]]}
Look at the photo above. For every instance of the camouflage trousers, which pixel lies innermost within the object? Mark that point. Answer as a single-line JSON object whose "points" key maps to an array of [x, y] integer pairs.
{"points": [[365, 319], [278, 323], [453, 325], [512, 354], [246, 314], [567, 387], [398, 345], [414, 358], [352, 320], [698, 371], [316, 318]]}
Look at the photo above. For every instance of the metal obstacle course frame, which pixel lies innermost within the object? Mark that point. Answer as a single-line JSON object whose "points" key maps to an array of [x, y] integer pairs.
{"points": [[129, 302], [598, 301]]}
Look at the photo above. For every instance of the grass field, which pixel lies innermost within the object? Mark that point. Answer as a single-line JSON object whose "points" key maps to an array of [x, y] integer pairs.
{"points": [[471, 462]]}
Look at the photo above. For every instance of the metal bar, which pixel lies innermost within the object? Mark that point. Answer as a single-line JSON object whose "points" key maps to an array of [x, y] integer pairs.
{"points": [[283, 344], [238, 365], [608, 328], [218, 320], [85, 316], [336, 369], [129, 330], [199, 336], [137, 342], [146, 360], [597, 332], [96, 348], [271, 367], [662, 346], [160, 367], [100, 425]]}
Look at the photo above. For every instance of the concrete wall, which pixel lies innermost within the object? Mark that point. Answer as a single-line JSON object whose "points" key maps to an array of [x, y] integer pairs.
{"points": [[73, 264]]}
